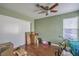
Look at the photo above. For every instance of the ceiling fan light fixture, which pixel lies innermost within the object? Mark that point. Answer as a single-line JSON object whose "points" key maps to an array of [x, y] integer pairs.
{"points": [[46, 9]]}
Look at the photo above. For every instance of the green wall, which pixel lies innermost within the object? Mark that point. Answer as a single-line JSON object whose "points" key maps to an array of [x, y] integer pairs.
{"points": [[50, 28], [78, 25], [10, 13]]}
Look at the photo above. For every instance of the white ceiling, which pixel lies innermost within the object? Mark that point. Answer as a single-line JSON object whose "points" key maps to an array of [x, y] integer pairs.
{"points": [[29, 8]]}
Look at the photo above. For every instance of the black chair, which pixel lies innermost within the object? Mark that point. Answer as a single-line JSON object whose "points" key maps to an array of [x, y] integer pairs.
{"points": [[40, 40]]}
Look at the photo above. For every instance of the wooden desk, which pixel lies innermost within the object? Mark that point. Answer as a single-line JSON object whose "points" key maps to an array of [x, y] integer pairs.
{"points": [[42, 50]]}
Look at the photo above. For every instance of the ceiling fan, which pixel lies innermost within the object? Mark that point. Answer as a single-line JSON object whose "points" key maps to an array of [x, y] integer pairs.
{"points": [[47, 9]]}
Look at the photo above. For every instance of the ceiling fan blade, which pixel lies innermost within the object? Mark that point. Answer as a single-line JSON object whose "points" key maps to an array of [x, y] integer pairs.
{"points": [[53, 10], [38, 5], [43, 7], [37, 10], [41, 12], [56, 4]]}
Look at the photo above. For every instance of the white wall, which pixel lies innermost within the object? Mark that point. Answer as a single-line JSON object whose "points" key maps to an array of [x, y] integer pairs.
{"points": [[13, 30]]}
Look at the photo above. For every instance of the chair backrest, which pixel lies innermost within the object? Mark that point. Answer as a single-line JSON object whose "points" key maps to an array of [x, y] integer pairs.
{"points": [[31, 38]]}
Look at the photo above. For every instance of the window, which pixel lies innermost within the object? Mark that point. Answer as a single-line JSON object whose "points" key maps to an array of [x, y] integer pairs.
{"points": [[70, 27]]}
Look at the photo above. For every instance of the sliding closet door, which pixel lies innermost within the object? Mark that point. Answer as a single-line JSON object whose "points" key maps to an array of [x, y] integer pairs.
{"points": [[13, 30]]}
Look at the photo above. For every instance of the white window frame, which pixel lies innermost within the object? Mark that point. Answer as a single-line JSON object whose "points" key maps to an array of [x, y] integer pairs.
{"points": [[71, 26]]}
